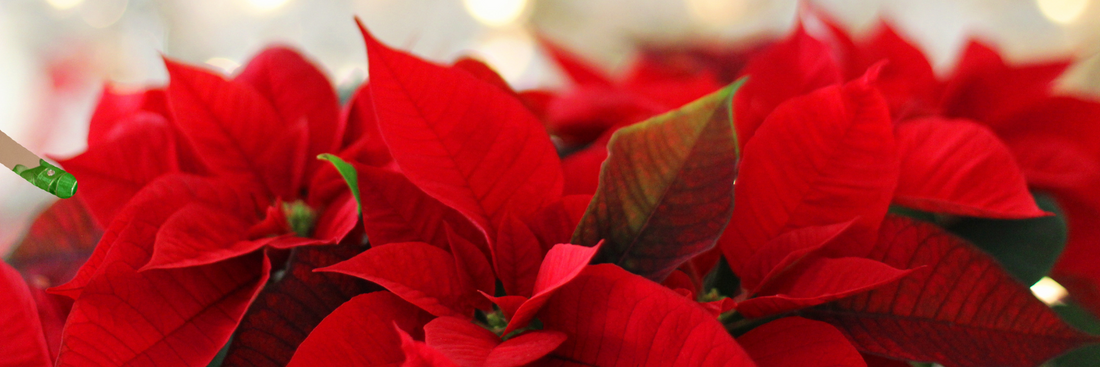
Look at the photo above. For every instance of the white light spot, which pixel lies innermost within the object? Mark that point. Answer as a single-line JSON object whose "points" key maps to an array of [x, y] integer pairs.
{"points": [[495, 13], [1049, 291], [104, 13], [64, 4], [510, 54], [225, 65], [1062, 11], [716, 13], [267, 5]]}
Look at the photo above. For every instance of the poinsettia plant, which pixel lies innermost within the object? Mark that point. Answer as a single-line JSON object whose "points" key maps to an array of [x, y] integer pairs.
{"points": [[827, 202]]}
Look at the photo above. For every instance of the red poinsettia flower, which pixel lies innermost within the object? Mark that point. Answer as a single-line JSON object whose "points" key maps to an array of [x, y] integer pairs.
{"points": [[460, 188], [190, 182], [818, 175], [1007, 113], [461, 229]]}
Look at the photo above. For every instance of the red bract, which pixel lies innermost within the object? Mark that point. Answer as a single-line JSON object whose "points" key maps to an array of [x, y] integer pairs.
{"points": [[795, 341], [362, 332], [823, 158], [659, 328], [484, 163], [234, 179], [796, 66], [1050, 137], [964, 311], [20, 328], [959, 167], [461, 188]]}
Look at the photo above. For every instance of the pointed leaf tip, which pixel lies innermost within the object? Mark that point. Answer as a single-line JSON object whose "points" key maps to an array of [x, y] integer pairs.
{"points": [[666, 188], [348, 172]]}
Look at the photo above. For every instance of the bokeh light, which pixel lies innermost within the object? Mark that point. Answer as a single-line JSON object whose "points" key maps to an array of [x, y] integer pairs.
{"points": [[496, 13], [1049, 291], [267, 5], [64, 4], [1062, 11], [227, 66], [510, 53], [105, 13], [716, 13]]}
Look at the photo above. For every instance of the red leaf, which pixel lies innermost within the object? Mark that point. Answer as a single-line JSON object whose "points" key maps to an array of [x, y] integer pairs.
{"points": [[20, 328], [418, 354], [199, 234], [556, 222], [235, 129], [361, 332], [719, 307], [337, 219], [787, 249], [656, 328], [578, 70], [395, 210], [820, 159], [795, 341], [958, 167], [139, 222], [482, 162], [524, 349], [287, 311], [582, 170], [984, 88], [113, 112], [419, 273], [816, 281], [672, 91], [966, 311], [298, 91], [58, 242], [589, 112], [171, 317], [907, 81], [146, 150], [876, 361], [680, 280], [362, 139], [462, 341], [483, 72], [563, 263], [517, 256], [508, 304], [666, 190], [784, 70], [472, 265]]}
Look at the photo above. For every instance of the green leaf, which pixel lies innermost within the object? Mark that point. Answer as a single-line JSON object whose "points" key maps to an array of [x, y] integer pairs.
{"points": [[1082, 357], [1027, 248], [666, 189], [348, 172]]}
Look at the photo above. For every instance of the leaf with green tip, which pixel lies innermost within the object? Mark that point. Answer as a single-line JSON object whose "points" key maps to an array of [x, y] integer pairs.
{"points": [[1027, 248], [348, 172], [666, 189]]}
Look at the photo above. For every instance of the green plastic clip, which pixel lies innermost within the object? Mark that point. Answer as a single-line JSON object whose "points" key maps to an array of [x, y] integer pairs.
{"points": [[50, 178]]}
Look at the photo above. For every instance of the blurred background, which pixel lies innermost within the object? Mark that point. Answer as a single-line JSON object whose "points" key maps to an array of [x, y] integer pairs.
{"points": [[55, 55]]}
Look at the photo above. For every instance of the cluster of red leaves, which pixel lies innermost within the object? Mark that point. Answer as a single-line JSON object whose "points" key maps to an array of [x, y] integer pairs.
{"points": [[493, 251]]}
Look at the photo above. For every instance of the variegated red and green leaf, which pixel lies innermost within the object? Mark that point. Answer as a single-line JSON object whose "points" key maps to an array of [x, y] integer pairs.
{"points": [[666, 189]]}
